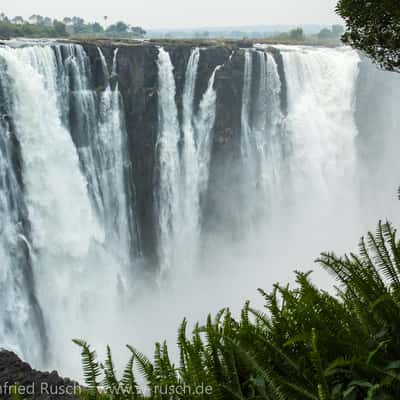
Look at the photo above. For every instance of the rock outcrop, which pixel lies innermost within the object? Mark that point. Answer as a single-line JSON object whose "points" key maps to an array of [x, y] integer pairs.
{"points": [[16, 375]]}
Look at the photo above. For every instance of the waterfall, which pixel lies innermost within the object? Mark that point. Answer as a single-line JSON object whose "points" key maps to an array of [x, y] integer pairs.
{"points": [[98, 129], [183, 174], [270, 136], [109, 143], [75, 211], [56, 193], [261, 132], [204, 123], [168, 193], [273, 169], [189, 165], [259, 126], [45, 142], [80, 109], [246, 147], [21, 322], [305, 158], [321, 126], [253, 134]]}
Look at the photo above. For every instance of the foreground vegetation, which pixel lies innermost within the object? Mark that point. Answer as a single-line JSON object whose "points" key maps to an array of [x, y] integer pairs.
{"points": [[306, 344]]}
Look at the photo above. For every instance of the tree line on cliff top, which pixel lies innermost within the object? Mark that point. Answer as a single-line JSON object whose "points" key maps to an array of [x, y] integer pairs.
{"points": [[40, 26]]}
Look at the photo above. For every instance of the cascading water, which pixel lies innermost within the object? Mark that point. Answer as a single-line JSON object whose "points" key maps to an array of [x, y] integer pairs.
{"points": [[21, 327], [259, 126], [69, 241], [196, 152], [56, 194], [275, 151], [78, 203], [296, 161], [246, 147], [204, 123], [98, 127], [190, 198], [168, 193], [322, 132], [321, 93], [185, 175], [110, 145], [261, 135]]}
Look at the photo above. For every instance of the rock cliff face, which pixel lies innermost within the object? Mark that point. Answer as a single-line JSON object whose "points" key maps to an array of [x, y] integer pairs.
{"points": [[137, 76], [137, 79], [16, 375]]}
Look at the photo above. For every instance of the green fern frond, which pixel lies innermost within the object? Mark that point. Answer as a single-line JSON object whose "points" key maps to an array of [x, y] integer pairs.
{"points": [[323, 391], [110, 381], [91, 368], [146, 368], [128, 381]]}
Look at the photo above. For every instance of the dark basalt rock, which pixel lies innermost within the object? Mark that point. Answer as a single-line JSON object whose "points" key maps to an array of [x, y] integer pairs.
{"points": [[30, 383], [220, 205], [138, 84], [137, 80]]}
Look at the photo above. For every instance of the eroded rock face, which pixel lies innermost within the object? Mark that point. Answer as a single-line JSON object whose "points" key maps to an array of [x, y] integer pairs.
{"points": [[30, 383], [138, 83]]}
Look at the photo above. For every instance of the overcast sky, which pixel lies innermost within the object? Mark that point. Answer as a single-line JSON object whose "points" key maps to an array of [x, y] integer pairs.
{"points": [[182, 13]]}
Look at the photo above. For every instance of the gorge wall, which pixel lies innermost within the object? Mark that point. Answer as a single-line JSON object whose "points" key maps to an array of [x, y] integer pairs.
{"points": [[137, 75]]}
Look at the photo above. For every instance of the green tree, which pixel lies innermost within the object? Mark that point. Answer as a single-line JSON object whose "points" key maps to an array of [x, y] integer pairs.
{"points": [[47, 21], [296, 34], [325, 34], [78, 21], [67, 20], [119, 27], [37, 26], [137, 31], [78, 25], [60, 28], [36, 19], [373, 26], [18, 20], [97, 28]]}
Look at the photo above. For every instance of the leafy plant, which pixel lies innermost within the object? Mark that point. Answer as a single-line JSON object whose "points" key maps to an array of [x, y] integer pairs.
{"points": [[306, 344], [374, 27]]}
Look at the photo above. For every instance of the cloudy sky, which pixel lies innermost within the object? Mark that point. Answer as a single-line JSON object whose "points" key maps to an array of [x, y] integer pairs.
{"points": [[183, 13]]}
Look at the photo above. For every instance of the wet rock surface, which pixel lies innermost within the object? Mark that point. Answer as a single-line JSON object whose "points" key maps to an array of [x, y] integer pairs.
{"points": [[137, 75]]}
